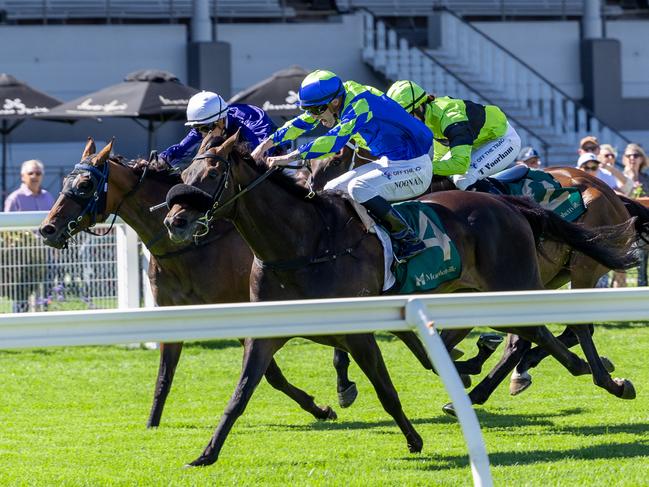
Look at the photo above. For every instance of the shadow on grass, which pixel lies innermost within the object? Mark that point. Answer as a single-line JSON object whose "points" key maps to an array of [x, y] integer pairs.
{"points": [[505, 459], [214, 344], [487, 420]]}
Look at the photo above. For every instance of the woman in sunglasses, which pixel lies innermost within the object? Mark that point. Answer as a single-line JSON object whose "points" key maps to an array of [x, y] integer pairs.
{"points": [[635, 167], [473, 141], [207, 111], [349, 109]]}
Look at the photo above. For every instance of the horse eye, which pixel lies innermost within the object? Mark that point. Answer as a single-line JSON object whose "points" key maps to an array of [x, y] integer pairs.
{"points": [[213, 173], [84, 186]]}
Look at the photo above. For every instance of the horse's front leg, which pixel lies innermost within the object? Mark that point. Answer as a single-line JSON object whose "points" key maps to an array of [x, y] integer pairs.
{"points": [[257, 355], [169, 357]]}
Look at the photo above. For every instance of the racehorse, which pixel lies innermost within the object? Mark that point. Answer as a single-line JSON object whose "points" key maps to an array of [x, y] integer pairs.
{"points": [[305, 245], [558, 265], [215, 270]]}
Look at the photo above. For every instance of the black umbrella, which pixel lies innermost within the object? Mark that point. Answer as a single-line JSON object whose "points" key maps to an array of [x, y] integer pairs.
{"points": [[19, 103], [277, 95], [151, 95]]}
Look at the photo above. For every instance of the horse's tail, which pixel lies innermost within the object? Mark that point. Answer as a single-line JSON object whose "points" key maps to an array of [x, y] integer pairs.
{"points": [[641, 214], [610, 245]]}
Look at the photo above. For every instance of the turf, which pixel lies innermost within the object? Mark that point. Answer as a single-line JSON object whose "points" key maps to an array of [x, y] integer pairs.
{"points": [[76, 416]]}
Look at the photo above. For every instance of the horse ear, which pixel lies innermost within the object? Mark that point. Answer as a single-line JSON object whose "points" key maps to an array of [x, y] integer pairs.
{"points": [[103, 156], [89, 150], [229, 144], [208, 141]]}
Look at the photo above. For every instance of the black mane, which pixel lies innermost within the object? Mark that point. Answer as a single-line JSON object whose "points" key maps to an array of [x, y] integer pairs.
{"points": [[157, 170]]}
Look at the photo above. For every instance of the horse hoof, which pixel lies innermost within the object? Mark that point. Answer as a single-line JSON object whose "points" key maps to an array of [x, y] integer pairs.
{"points": [[330, 414], [415, 444], [456, 354], [519, 382], [466, 380], [449, 410], [608, 365], [199, 462], [348, 396], [490, 341], [628, 391]]}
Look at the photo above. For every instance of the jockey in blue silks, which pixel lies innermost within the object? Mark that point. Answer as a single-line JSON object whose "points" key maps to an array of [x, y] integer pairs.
{"points": [[349, 109], [208, 111]]}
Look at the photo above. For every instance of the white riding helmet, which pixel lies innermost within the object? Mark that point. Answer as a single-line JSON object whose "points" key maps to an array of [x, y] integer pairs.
{"points": [[205, 107]]}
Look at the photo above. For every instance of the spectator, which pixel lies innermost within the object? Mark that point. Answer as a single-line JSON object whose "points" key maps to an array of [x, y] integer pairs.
{"points": [[22, 246], [30, 196], [607, 158], [589, 150], [530, 157], [635, 167]]}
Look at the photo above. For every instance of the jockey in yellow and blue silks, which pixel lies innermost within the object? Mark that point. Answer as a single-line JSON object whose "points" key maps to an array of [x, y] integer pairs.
{"points": [[349, 109], [480, 140]]}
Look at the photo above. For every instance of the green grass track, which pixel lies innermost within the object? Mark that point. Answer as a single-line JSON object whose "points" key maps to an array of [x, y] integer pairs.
{"points": [[76, 416]]}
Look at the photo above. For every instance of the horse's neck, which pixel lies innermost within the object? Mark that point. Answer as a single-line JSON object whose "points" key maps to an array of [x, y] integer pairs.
{"points": [[276, 224], [134, 210]]}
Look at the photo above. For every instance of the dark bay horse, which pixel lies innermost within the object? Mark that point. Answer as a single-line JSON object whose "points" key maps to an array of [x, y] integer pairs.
{"points": [[558, 265], [179, 274], [308, 246]]}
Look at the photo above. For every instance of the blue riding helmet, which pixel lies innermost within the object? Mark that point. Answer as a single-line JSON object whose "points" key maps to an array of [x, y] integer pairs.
{"points": [[319, 88]]}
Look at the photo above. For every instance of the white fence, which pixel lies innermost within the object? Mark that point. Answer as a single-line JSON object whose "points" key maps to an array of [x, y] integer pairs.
{"points": [[93, 273], [316, 317]]}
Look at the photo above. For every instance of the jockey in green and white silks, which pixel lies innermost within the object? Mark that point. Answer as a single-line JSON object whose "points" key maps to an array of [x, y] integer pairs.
{"points": [[349, 109], [480, 140]]}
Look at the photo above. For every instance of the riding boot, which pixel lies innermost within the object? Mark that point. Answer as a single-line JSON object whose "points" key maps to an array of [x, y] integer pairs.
{"points": [[484, 186], [408, 244]]}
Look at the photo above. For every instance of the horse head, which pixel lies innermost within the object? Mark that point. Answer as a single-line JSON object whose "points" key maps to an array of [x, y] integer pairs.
{"points": [[206, 185], [84, 198]]}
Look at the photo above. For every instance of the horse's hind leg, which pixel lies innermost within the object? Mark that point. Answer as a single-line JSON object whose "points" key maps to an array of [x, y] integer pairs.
{"points": [[347, 390], [276, 379], [257, 355], [413, 342], [621, 388], [169, 357], [367, 355]]}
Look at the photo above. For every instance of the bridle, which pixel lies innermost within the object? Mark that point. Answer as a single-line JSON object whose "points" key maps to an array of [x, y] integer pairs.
{"points": [[93, 204], [217, 205]]}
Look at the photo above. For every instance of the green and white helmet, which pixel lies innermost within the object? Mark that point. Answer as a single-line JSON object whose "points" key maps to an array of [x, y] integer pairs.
{"points": [[408, 94]]}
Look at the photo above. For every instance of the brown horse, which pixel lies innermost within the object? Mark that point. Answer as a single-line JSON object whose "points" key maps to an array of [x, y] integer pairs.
{"points": [[558, 265], [306, 246], [179, 274]]}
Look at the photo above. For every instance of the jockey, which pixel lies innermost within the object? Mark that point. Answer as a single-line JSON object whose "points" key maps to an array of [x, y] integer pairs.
{"points": [[349, 109], [481, 141], [208, 111]]}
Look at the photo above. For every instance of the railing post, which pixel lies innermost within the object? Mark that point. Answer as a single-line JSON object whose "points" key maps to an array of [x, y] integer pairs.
{"points": [[128, 275], [416, 60], [558, 112], [391, 67], [417, 317], [429, 76], [403, 62], [368, 37], [380, 59]]}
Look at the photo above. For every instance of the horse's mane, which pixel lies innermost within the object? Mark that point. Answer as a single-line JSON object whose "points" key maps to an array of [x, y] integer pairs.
{"points": [[156, 170], [285, 180]]}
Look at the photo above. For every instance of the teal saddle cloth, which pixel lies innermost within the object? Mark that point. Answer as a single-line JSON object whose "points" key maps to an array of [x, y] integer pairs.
{"points": [[547, 192], [440, 261]]}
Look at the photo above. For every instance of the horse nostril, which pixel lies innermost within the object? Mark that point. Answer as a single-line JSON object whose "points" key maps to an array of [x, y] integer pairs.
{"points": [[48, 230], [179, 222]]}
